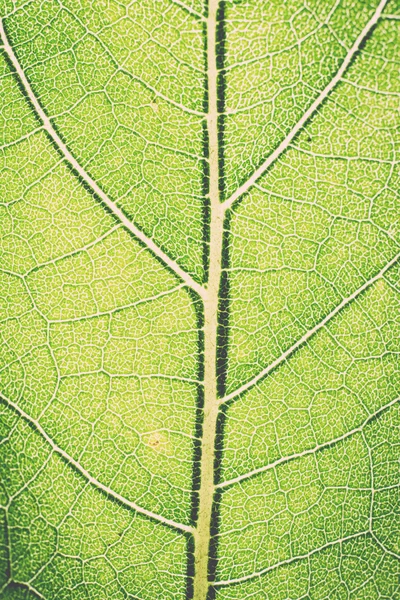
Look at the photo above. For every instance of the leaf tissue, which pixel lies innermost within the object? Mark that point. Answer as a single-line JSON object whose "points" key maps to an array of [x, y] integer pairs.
{"points": [[199, 299]]}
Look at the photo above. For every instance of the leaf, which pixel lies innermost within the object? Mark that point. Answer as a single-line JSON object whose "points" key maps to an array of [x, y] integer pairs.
{"points": [[200, 323]]}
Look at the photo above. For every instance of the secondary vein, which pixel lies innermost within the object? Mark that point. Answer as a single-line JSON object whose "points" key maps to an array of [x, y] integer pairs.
{"points": [[289, 560], [285, 459], [310, 332], [112, 206], [311, 110], [92, 480]]}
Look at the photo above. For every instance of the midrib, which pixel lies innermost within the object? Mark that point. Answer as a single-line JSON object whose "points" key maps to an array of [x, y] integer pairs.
{"points": [[211, 299], [202, 532]]}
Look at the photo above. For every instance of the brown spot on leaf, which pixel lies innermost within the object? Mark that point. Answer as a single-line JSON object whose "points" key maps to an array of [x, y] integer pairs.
{"points": [[157, 441]]}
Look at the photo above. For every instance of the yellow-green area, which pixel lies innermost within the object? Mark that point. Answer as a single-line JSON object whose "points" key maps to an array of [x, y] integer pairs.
{"points": [[356, 569], [101, 340], [343, 376], [99, 349], [72, 541], [124, 87], [323, 434], [323, 220], [278, 57]]}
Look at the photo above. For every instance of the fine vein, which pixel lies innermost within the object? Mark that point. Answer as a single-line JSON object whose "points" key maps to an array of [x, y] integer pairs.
{"points": [[92, 480], [117, 212], [209, 294], [314, 450], [290, 560], [311, 110], [310, 332]]}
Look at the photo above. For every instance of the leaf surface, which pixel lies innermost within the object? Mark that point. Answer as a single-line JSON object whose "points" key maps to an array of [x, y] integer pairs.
{"points": [[199, 271]]}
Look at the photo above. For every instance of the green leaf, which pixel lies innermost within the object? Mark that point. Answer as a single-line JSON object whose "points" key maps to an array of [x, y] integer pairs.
{"points": [[199, 274]]}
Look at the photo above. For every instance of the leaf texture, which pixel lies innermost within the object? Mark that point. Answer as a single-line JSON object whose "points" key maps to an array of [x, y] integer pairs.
{"points": [[199, 274]]}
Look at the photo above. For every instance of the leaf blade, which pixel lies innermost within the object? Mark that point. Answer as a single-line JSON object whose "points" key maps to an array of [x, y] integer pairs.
{"points": [[109, 356]]}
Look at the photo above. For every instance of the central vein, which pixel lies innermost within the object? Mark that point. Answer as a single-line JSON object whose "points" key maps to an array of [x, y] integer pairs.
{"points": [[211, 300]]}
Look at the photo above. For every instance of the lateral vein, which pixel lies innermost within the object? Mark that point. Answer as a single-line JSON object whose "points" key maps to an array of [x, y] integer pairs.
{"points": [[306, 116], [92, 480], [190, 10], [112, 206], [289, 560], [310, 332], [314, 450]]}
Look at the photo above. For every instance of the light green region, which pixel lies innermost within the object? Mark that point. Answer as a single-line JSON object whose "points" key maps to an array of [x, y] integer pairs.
{"points": [[90, 318], [24, 164], [116, 98], [139, 356], [16, 118], [158, 41], [322, 221], [311, 502], [353, 570], [285, 279], [101, 352], [134, 435], [69, 540], [113, 273], [46, 212], [272, 77], [270, 312], [330, 386]]}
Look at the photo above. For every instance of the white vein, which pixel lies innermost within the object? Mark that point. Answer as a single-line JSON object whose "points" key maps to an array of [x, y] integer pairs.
{"points": [[289, 560], [311, 332], [121, 69], [189, 281], [92, 480], [121, 308], [314, 450], [306, 116], [116, 211], [189, 10], [384, 548]]}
